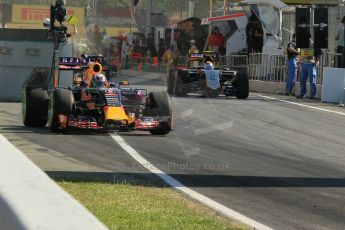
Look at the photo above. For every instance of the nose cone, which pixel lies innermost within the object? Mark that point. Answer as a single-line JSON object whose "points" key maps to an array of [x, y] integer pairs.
{"points": [[115, 113]]}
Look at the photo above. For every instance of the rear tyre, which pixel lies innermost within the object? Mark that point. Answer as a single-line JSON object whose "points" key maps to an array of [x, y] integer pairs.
{"points": [[178, 83], [171, 81], [34, 107], [242, 85], [61, 102], [159, 106]]}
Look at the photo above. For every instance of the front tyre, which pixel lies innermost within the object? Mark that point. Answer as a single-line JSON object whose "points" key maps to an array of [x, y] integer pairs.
{"points": [[178, 88], [163, 129], [171, 81], [160, 106], [34, 107], [61, 103], [242, 86]]}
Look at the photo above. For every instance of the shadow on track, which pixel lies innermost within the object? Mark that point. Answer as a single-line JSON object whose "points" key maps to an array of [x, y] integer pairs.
{"points": [[45, 131], [191, 180]]}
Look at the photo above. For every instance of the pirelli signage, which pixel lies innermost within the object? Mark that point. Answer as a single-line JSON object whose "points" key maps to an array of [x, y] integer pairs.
{"points": [[34, 14]]}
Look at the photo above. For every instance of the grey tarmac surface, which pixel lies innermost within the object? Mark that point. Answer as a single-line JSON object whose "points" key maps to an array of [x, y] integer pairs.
{"points": [[280, 164]]}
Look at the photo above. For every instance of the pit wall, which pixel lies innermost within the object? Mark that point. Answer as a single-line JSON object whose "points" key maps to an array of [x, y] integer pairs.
{"points": [[279, 88], [18, 59]]}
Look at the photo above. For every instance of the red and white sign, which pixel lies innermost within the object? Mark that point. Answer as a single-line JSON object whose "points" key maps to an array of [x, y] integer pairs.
{"points": [[35, 14]]}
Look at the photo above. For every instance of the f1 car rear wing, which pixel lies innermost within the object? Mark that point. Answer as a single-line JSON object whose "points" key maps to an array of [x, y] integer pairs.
{"points": [[85, 61], [74, 63], [69, 63], [88, 65], [199, 57]]}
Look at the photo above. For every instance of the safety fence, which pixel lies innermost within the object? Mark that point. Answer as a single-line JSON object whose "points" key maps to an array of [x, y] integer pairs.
{"points": [[258, 66]]}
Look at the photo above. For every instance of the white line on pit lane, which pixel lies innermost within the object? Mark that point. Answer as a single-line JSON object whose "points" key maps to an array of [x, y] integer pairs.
{"points": [[299, 104], [177, 185]]}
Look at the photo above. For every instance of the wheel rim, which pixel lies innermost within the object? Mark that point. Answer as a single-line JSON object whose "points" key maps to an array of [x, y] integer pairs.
{"points": [[50, 112], [24, 106]]}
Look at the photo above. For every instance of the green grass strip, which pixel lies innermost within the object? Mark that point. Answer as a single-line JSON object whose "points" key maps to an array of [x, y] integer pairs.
{"points": [[135, 206]]}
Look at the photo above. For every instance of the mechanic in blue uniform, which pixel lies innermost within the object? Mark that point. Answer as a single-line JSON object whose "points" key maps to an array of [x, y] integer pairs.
{"points": [[308, 70], [212, 79], [292, 54], [208, 63]]}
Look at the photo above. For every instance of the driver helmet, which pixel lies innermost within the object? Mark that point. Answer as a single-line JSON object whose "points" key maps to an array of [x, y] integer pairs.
{"points": [[78, 79], [98, 80]]}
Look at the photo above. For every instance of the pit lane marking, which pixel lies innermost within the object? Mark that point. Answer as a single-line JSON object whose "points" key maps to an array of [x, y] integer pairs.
{"points": [[302, 105], [179, 186]]}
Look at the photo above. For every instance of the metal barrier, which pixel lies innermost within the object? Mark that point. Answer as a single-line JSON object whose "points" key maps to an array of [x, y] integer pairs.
{"points": [[239, 63], [258, 66], [328, 59], [223, 61], [278, 70], [319, 70]]}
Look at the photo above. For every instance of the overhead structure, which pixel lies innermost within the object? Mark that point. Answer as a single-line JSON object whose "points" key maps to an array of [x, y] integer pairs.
{"points": [[269, 12], [314, 2], [274, 3], [300, 2]]}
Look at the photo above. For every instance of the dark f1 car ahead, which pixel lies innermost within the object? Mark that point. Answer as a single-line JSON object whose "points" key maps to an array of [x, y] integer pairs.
{"points": [[195, 80], [92, 103]]}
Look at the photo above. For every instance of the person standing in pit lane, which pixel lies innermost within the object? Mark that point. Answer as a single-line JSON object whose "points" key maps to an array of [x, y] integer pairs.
{"points": [[292, 55], [309, 60]]}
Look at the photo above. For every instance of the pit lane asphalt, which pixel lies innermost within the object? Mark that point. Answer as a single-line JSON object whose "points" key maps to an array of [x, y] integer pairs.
{"points": [[277, 163]]}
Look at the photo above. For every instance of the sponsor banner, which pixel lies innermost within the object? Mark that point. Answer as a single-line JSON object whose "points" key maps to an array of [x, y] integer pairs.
{"points": [[24, 26], [34, 14], [70, 29]]}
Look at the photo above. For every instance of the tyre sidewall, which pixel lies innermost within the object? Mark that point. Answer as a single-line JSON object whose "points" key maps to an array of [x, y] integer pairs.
{"points": [[34, 107], [61, 102], [243, 85]]}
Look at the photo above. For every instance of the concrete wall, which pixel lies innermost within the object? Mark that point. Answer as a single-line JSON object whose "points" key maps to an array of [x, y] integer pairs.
{"points": [[30, 200], [18, 58], [279, 87]]}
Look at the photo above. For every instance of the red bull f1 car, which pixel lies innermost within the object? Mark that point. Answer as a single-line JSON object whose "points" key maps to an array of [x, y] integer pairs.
{"points": [[90, 105]]}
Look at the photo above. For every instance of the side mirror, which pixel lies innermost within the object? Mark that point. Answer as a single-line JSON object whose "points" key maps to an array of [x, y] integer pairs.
{"points": [[124, 83], [112, 85]]}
